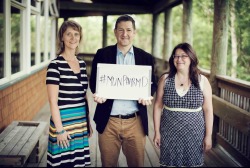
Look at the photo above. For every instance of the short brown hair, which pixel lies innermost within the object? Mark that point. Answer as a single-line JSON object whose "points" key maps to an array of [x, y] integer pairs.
{"points": [[125, 18]]}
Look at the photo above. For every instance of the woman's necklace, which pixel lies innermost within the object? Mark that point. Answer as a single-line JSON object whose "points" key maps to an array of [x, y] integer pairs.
{"points": [[182, 84]]}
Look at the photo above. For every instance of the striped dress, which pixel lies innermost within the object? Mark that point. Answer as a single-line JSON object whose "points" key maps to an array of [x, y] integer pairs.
{"points": [[74, 115], [182, 127]]}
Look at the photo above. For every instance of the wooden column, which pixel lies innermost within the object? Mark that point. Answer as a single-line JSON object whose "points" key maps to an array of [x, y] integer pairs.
{"points": [[168, 30], [155, 37], [187, 33], [220, 42], [104, 31]]}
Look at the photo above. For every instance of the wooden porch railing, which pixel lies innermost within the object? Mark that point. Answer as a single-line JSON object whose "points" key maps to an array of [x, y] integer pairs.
{"points": [[233, 110]]}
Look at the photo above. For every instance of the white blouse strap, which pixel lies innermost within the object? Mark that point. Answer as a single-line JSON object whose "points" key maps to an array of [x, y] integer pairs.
{"points": [[202, 82]]}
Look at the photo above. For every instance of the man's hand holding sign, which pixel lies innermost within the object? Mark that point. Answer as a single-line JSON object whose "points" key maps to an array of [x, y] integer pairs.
{"points": [[127, 82]]}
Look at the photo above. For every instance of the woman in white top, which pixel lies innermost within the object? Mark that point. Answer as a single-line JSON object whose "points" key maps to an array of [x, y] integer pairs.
{"points": [[183, 111]]}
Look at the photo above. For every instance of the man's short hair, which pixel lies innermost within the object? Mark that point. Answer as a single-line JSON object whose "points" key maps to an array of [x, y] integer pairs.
{"points": [[125, 18]]}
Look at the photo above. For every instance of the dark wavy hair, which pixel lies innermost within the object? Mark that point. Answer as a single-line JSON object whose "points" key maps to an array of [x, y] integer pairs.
{"points": [[69, 23], [125, 18], [194, 72]]}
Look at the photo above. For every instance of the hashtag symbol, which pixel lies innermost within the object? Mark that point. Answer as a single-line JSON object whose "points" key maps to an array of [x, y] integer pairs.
{"points": [[102, 79]]}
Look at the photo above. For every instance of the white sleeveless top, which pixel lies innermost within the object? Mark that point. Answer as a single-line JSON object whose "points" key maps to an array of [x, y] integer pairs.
{"points": [[181, 93]]}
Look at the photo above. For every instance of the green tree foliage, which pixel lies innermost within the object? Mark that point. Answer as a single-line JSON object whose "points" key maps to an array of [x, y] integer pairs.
{"points": [[15, 32], [203, 31], [242, 8], [92, 33], [110, 29], [143, 38], [177, 24], [203, 12]]}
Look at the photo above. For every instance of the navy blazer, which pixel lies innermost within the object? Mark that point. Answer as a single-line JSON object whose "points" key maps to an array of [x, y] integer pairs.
{"points": [[108, 55]]}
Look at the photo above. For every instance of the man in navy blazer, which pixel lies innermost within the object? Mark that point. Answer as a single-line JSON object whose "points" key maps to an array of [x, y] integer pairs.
{"points": [[122, 123]]}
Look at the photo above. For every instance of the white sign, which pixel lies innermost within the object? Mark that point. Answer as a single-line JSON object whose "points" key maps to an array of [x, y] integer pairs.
{"points": [[127, 82]]}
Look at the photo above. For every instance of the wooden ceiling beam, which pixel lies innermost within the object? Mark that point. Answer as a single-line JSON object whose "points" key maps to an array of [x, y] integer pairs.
{"points": [[164, 4], [104, 8], [76, 13]]}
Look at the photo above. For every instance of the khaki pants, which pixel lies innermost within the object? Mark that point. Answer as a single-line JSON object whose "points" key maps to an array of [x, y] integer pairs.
{"points": [[125, 133]]}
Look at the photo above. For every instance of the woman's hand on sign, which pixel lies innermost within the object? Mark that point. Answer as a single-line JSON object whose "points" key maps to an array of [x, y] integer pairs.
{"points": [[146, 101], [98, 99]]}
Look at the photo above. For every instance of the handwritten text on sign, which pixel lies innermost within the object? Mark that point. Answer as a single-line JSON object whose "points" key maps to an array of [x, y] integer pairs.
{"points": [[128, 82]]}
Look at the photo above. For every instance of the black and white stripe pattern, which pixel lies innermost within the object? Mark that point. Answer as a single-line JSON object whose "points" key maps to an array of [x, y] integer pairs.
{"points": [[71, 90], [73, 112]]}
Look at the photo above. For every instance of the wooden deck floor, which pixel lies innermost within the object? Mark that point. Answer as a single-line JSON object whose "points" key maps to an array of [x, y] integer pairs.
{"points": [[215, 158]]}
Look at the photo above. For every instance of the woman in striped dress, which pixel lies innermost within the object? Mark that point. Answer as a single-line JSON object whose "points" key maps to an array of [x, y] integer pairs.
{"points": [[183, 111], [67, 85]]}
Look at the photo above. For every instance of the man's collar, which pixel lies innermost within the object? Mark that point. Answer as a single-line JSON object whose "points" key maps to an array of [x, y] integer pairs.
{"points": [[131, 50]]}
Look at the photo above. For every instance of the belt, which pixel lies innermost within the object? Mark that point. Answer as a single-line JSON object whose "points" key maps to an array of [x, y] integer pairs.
{"points": [[182, 109], [125, 116]]}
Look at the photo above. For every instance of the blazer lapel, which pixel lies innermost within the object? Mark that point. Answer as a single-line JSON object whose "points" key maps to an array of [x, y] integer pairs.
{"points": [[138, 57], [113, 54]]}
